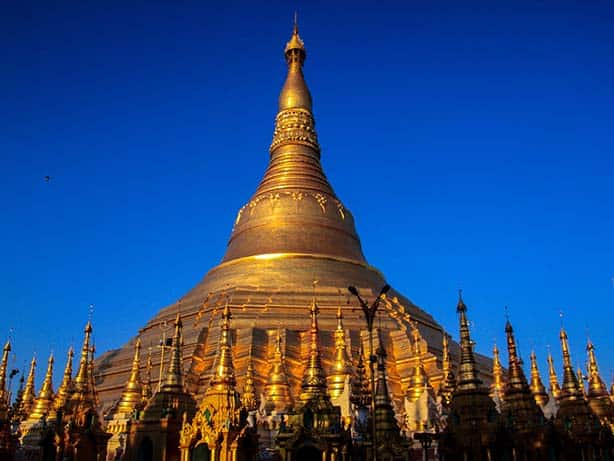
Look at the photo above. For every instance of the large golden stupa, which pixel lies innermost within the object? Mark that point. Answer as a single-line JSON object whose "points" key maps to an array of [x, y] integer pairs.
{"points": [[293, 231]]}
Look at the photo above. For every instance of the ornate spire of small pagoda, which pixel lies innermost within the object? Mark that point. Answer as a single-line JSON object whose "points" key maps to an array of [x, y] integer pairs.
{"points": [[553, 380], [361, 395], [314, 386], [570, 388], [597, 394], [418, 379], [132, 395], [537, 386], [224, 372], [277, 389], [248, 397], [66, 386], [449, 381], [516, 379], [29, 393], [498, 384], [4, 400], [174, 376], [342, 367], [386, 425], [467, 370], [581, 378], [44, 401], [81, 382]]}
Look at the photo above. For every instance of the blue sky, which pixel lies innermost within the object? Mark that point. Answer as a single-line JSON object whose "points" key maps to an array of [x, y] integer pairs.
{"points": [[472, 143]]}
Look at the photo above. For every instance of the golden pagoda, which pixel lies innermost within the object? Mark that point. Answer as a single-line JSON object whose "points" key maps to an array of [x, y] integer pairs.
{"points": [[28, 395], [65, 389], [497, 387], [554, 389], [293, 228], [448, 383], [44, 400], [537, 386], [597, 394]]}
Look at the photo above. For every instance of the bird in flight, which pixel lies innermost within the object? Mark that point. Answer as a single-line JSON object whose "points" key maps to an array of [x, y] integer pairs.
{"points": [[47, 179]]}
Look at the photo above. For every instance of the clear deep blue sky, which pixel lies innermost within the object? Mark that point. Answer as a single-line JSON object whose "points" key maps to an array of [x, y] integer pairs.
{"points": [[473, 144]]}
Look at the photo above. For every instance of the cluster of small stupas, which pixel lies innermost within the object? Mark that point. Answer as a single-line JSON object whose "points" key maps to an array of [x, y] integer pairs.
{"points": [[245, 376], [336, 416], [62, 424]]}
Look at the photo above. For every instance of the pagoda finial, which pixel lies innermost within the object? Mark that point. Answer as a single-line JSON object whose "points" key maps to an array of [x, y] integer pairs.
{"points": [[248, 397], [29, 393], [596, 386], [44, 401], [341, 368], [498, 385], [132, 395], [418, 379], [81, 380], [467, 370], [65, 389], [277, 389], [295, 102], [555, 389], [4, 395], [174, 376], [570, 388], [224, 373], [386, 427], [314, 380], [516, 379], [361, 395], [537, 386], [449, 381]]}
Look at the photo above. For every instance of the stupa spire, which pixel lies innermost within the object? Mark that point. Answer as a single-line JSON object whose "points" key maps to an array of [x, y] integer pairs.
{"points": [[174, 376], [418, 379], [498, 385], [596, 386], [131, 397], [537, 386], [4, 401], [385, 420], [467, 370], [361, 395], [571, 387], [81, 380], [516, 379], [449, 381], [314, 380], [277, 389], [248, 397], [554, 389], [44, 400], [29, 393], [342, 364], [65, 389], [224, 373]]}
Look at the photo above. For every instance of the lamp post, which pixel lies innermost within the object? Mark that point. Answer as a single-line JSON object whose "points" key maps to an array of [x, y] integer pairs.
{"points": [[369, 312]]}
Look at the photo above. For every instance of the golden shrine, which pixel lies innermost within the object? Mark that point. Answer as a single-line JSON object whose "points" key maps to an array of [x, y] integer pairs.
{"points": [[266, 360]]}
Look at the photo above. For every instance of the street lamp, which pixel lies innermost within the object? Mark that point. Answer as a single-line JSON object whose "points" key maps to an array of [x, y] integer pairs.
{"points": [[369, 312]]}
